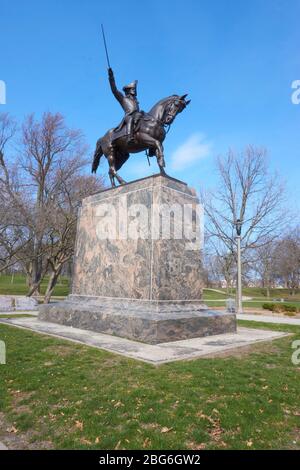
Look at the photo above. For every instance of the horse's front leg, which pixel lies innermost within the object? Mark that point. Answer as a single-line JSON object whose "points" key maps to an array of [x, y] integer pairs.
{"points": [[112, 170], [159, 151], [120, 180], [161, 164], [160, 158]]}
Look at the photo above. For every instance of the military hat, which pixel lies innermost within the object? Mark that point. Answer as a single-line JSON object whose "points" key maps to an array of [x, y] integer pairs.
{"points": [[131, 85]]}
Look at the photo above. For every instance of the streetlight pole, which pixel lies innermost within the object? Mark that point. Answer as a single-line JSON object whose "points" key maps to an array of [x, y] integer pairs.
{"points": [[238, 226]]}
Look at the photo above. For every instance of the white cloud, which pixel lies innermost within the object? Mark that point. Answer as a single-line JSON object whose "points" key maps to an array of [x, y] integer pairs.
{"points": [[195, 148]]}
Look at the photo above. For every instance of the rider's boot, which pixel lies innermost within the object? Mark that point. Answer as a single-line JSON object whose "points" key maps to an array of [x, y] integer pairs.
{"points": [[130, 138]]}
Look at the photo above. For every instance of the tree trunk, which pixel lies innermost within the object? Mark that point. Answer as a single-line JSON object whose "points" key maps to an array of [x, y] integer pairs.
{"points": [[268, 282], [28, 280], [36, 275], [35, 288], [51, 284]]}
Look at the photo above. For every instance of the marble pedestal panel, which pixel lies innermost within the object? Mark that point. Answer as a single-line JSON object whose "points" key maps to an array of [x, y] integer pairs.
{"points": [[138, 267]]}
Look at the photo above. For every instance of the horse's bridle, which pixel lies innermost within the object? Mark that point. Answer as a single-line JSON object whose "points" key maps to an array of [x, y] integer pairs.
{"points": [[162, 123]]}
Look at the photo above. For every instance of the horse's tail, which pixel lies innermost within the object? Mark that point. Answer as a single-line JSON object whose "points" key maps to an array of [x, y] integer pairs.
{"points": [[97, 155]]}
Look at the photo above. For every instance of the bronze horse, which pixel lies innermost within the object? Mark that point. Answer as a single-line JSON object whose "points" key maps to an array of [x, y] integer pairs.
{"points": [[149, 134]]}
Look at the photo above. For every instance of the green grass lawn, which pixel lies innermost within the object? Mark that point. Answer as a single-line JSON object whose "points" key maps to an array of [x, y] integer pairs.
{"points": [[278, 293], [218, 299], [17, 285], [16, 315], [212, 295], [248, 304], [64, 395], [261, 293]]}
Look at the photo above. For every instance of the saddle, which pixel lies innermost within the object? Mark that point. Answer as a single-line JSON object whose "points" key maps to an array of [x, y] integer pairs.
{"points": [[121, 129]]}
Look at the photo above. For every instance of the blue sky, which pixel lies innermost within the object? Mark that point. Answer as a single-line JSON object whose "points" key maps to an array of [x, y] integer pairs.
{"points": [[236, 59]]}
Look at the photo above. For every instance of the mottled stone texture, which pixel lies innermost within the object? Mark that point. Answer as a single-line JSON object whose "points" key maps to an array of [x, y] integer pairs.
{"points": [[17, 302], [161, 269], [148, 288], [148, 321]]}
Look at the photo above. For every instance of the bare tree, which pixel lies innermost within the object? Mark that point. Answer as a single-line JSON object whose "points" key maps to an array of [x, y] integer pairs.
{"points": [[247, 191], [13, 213], [63, 221], [50, 153], [263, 260], [287, 260], [220, 266], [41, 191]]}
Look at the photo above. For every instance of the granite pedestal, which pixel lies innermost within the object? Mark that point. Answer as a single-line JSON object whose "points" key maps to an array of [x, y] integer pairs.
{"points": [[138, 267], [15, 303]]}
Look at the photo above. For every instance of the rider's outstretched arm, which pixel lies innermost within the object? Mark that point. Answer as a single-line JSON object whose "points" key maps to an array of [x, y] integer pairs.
{"points": [[118, 95]]}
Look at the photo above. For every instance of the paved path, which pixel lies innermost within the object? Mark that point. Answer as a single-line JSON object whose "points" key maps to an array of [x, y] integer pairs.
{"points": [[151, 353], [269, 319]]}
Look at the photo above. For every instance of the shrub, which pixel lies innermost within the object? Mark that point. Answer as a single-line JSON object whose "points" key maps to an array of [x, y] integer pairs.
{"points": [[280, 308], [268, 307], [290, 308]]}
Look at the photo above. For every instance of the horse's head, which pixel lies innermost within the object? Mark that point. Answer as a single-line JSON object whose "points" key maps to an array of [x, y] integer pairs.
{"points": [[174, 107], [167, 109]]}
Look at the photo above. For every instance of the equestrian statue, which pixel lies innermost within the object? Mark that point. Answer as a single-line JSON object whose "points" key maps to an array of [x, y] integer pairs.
{"points": [[138, 131]]}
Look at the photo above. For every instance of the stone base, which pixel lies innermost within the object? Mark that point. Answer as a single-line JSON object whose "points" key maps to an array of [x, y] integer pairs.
{"points": [[15, 303], [151, 322]]}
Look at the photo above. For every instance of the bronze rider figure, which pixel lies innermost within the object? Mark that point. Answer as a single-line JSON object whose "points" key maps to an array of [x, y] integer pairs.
{"points": [[129, 103]]}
